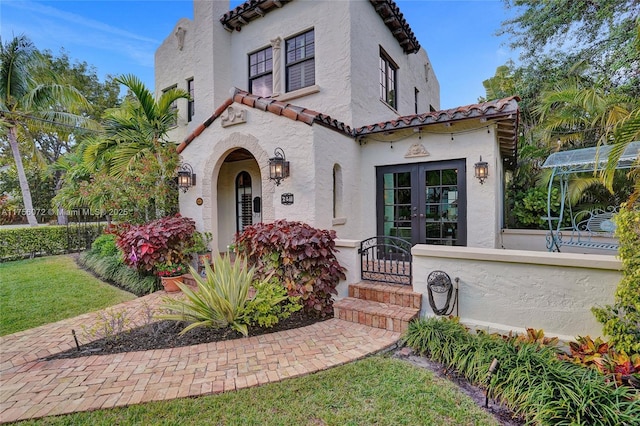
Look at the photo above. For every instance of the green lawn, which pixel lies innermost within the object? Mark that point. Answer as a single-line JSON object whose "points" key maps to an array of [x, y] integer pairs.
{"points": [[374, 391], [48, 289]]}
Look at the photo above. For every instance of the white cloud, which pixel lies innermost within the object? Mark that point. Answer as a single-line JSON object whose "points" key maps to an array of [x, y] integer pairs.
{"points": [[49, 27]]}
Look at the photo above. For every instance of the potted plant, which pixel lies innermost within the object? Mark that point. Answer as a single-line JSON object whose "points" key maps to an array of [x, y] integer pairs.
{"points": [[170, 275], [200, 248]]}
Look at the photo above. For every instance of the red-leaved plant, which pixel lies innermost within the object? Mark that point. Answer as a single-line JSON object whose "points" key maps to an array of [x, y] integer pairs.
{"points": [[301, 257], [163, 240]]}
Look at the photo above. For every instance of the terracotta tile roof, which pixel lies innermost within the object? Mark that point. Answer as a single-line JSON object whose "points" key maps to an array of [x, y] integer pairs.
{"points": [[394, 20], [485, 109], [293, 112], [198, 130], [504, 112], [387, 9], [248, 11]]}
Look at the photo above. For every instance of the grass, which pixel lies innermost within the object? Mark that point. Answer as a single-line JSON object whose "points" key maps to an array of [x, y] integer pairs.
{"points": [[48, 289], [376, 390]]}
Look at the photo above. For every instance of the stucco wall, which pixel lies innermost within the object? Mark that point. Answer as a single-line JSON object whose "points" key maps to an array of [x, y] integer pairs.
{"points": [[510, 290], [174, 66], [260, 135], [502, 290], [483, 213], [331, 148], [535, 240], [368, 34], [347, 40]]}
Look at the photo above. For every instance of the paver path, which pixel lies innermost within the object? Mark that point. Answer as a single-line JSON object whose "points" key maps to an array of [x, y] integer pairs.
{"points": [[30, 387]]}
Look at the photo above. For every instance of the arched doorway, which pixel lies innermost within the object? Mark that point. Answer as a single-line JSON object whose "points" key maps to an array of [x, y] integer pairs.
{"points": [[239, 191]]}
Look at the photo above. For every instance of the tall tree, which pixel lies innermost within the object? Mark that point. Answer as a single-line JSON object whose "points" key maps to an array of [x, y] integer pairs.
{"points": [[26, 102], [136, 136], [599, 33]]}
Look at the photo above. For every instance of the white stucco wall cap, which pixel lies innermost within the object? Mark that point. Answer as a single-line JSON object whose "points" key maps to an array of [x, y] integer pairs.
{"points": [[593, 261], [347, 243]]}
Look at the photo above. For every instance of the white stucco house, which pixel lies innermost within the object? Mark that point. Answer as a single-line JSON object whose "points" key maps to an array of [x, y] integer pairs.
{"points": [[345, 93]]}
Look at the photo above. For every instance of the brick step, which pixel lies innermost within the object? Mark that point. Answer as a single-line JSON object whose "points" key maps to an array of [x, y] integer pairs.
{"points": [[188, 280], [386, 293], [375, 314]]}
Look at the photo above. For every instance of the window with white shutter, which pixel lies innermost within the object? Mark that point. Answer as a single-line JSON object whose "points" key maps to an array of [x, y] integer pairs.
{"points": [[300, 61]]}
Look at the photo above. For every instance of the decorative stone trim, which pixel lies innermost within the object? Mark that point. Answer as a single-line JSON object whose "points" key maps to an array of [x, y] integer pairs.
{"points": [[233, 116], [305, 91], [417, 150]]}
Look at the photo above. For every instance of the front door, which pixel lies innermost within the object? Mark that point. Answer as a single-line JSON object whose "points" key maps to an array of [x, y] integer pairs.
{"points": [[423, 203]]}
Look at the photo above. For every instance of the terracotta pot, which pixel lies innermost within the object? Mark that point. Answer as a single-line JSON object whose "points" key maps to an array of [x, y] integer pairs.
{"points": [[170, 283], [204, 259]]}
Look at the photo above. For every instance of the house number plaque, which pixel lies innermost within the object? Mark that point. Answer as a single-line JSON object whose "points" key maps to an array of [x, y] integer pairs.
{"points": [[286, 199]]}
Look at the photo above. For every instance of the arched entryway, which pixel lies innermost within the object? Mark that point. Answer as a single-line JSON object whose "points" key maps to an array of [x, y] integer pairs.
{"points": [[239, 190]]}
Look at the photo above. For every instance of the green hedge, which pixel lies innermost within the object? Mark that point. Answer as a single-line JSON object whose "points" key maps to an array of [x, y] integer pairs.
{"points": [[28, 242]]}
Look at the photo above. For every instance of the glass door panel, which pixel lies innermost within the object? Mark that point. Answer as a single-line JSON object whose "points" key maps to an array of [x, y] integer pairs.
{"points": [[441, 206], [423, 203], [397, 205]]}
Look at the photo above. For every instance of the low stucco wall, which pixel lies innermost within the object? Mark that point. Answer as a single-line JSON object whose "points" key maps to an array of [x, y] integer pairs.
{"points": [[536, 240], [504, 290], [511, 290]]}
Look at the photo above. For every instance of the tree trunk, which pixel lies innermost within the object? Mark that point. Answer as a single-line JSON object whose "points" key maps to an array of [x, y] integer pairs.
{"points": [[22, 177], [63, 219]]}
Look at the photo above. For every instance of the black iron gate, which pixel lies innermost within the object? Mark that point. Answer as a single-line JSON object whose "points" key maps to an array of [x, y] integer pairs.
{"points": [[386, 259]]}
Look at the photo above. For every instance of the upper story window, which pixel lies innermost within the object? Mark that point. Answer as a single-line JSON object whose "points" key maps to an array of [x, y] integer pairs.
{"points": [[388, 80], [174, 106], [261, 72], [191, 110], [300, 61]]}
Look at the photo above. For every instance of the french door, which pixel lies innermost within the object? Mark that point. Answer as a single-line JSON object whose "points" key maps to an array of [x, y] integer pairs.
{"points": [[423, 203]]}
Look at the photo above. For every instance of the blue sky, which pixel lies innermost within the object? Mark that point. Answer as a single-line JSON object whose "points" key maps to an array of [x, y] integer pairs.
{"points": [[120, 37]]}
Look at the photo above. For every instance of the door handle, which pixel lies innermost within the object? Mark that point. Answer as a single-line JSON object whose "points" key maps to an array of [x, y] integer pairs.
{"points": [[415, 215]]}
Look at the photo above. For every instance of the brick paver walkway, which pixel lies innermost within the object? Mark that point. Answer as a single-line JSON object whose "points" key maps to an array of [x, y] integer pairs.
{"points": [[31, 387]]}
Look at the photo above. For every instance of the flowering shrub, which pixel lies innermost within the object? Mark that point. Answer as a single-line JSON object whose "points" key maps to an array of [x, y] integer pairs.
{"points": [[301, 257], [163, 240], [170, 269]]}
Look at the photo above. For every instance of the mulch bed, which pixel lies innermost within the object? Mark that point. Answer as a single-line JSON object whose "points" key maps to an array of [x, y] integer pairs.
{"points": [[165, 334]]}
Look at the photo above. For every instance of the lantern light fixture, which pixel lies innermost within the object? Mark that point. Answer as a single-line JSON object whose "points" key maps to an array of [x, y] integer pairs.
{"points": [[482, 170], [186, 177], [278, 166]]}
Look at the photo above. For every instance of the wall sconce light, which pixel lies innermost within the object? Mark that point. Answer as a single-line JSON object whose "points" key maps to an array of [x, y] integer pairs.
{"points": [[482, 170], [186, 177], [278, 166]]}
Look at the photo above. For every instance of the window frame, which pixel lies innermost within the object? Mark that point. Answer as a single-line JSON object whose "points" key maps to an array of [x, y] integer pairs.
{"points": [[388, 73], [311, 58], [260, 75], [191, 110]]}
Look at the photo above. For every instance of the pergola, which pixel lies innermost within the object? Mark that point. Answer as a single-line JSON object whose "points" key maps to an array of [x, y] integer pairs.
{"points": [[565, 163]]}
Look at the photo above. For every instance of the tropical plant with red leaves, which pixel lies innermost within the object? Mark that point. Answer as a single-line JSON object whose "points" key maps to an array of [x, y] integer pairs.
{"points": [[164, 240], [302, 258]]}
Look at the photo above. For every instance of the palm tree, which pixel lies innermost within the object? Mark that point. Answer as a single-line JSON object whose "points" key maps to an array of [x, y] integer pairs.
{"points": [[581, 113], [137, 132], [625, 131], [26, 103]]}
